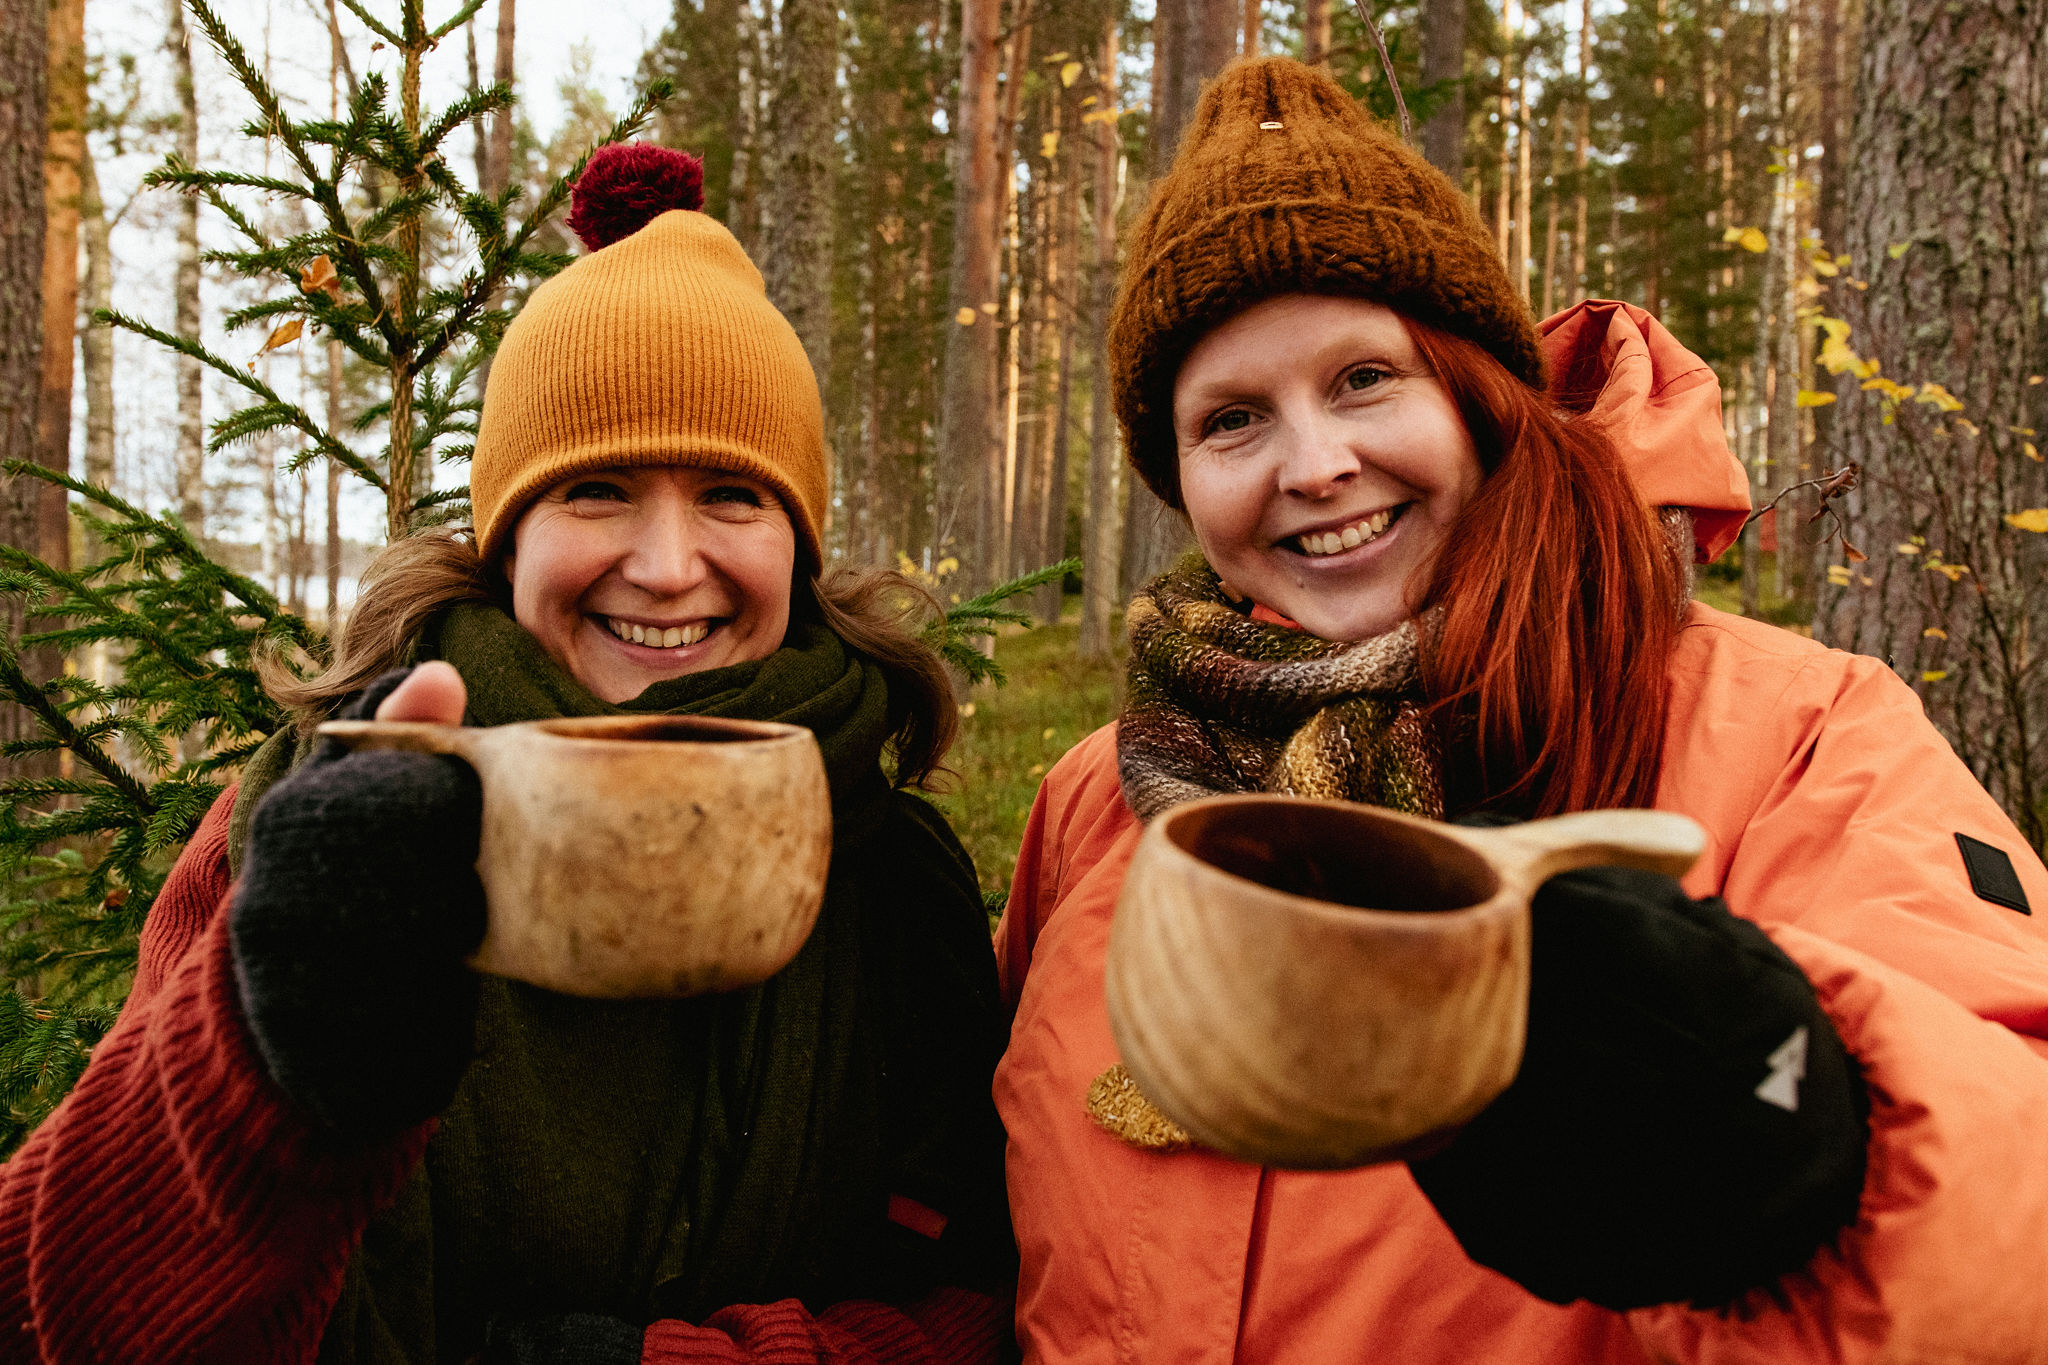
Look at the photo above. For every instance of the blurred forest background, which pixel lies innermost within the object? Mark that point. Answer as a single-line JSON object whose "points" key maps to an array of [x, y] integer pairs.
{"points": [[1835, 202]]}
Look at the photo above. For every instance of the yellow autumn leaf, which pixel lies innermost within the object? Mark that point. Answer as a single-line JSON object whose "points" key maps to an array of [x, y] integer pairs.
{"points": [[1838, 574], [1907, 549], [1825, 267], [1748, 238], [1967, 425], [965, 317], [966, 710], [2033, 379], [989, 308], [1852, 554], [1935, 633], [1898, 249], [1940, 397], [2033, 519], [1934, 675], [1057, 57], [2032, 453], [1050, 731], [284, 334], [1070, 73], [1049, 145], [1813, 398], [1102, 116], [945, 566]]}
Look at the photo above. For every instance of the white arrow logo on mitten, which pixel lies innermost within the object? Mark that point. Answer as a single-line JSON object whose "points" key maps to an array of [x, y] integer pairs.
{"points": [[1788, 1065]]}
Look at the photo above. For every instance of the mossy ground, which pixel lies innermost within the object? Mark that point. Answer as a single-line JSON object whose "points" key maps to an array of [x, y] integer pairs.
{"points": [[1010, 735]]}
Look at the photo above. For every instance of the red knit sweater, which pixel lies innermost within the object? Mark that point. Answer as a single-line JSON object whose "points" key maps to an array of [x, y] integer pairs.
{"points": [[174, 1207]]}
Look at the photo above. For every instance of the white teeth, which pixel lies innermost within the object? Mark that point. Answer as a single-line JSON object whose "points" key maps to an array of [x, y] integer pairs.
{"points": [[656, 637], [1350, 538]]}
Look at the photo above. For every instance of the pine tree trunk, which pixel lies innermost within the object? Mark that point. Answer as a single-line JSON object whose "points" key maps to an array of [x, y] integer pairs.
{"points": [[1206, 35], [504, 70], [336, 54], [1052, 538], [24, 84], [1443, 59], [62, 190], [796, 247], [716, 77], [1102, 523], [1943, 218], [191, 447], [1315, 32], [967, 428], [1581, 253]]}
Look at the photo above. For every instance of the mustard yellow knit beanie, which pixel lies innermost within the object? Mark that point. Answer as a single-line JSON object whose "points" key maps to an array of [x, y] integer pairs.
{"points": [[658, 348], [1283, 185]]}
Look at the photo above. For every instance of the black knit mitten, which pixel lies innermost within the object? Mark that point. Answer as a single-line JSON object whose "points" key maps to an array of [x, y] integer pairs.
{"points": [[358, 901], [1686, 1124], [570, 1339]]}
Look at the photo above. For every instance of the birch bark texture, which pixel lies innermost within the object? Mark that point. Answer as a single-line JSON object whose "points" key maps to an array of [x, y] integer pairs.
{"points": [[189, 372], [1943, 218]]}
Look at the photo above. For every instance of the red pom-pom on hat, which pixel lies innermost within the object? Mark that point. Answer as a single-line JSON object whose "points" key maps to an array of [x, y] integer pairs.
{"points": [[627, 185]]}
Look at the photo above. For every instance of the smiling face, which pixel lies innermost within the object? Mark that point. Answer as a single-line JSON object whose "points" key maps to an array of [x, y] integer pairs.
{"points": [[628, 577], [1321, 461]]}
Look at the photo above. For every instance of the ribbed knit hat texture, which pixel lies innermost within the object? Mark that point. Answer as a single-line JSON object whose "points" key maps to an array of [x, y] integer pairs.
{"points": [[1283, 185], [659, 349]]}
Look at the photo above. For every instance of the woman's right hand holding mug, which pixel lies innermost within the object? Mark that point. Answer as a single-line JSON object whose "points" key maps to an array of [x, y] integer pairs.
{"points": [[357, 904]]}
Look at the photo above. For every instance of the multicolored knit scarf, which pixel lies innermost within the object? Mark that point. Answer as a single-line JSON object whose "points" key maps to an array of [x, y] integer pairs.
{"points": [[1219, 702]]}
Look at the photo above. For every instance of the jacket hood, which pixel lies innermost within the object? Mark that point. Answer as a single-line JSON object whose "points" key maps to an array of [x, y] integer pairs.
{"points": [[1660, 405]]}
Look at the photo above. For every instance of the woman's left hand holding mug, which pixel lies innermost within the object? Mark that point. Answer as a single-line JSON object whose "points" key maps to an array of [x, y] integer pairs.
{"points": [[358, 902]]}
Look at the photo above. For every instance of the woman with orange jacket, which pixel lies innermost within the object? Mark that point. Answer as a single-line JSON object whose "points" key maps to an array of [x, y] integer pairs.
{"points": [[1788, 1109]]}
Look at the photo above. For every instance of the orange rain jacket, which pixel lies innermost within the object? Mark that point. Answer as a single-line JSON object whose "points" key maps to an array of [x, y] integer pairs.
{"points": [[1831, 808]]}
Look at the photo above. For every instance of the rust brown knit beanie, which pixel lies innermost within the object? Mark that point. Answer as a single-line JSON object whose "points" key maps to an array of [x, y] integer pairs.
{"points": [[1283, 185]]}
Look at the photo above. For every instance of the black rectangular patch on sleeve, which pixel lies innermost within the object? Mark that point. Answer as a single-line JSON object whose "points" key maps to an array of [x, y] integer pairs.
{"points": [[1991, 874]]}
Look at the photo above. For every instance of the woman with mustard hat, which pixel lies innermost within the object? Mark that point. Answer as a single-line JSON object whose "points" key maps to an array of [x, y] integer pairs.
{"points": [[315, 1133], [1789, 1109]]}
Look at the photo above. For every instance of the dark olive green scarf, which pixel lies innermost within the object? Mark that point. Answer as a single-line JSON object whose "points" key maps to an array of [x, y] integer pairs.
{"points": [[651, 1159]]}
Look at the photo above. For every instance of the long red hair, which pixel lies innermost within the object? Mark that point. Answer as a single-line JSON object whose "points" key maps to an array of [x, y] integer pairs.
{"points": [[1560, 607]]}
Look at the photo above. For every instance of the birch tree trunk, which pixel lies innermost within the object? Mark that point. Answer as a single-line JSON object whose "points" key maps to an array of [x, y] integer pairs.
{"points": [[95, 343], [968, 438], [1943, 218], [191, 447]]}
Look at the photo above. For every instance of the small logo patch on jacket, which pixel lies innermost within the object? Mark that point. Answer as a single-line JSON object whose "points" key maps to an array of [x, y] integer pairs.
{"points": [[1788, 1067], [1991, 874]]}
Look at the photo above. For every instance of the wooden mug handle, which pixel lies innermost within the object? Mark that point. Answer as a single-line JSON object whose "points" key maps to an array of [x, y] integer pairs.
{"points": [[1528, 855]]}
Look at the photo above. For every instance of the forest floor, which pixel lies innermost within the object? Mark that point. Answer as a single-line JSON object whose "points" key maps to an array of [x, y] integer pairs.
{"points": [[1009, 736]]}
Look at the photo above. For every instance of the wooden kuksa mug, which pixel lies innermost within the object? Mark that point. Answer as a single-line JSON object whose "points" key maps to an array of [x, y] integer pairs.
{"points": [[630, 856], [1320, 985]]}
